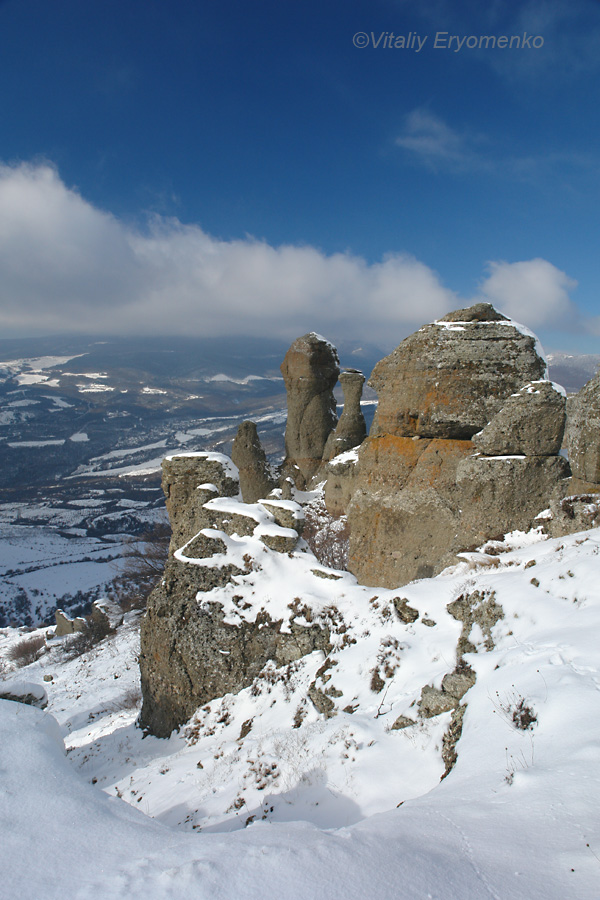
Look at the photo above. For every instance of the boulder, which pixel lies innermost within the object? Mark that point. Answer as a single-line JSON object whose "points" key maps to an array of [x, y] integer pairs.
{"points": [[310, 371], [502, 494], [351, 429], [531, 422], [448, 379], [583, 432], [249, 457]]}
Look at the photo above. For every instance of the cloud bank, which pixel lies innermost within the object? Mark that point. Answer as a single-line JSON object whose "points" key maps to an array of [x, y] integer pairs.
{"points": [[67, 266]]}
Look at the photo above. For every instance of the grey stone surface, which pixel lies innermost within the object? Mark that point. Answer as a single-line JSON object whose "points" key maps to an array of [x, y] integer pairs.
{"points": [[340, 483], [404, 517], [190, 655], [188, 482], [421, 492], [310, 371], [248, 455], [449, 378], [434, 701], [351, 429], [583, 432], [572, 513], [531, 422], [475, 608], [502, 494]]}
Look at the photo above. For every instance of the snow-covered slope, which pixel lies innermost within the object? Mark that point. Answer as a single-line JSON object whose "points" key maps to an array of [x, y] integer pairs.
{"points": [[260, 796]]}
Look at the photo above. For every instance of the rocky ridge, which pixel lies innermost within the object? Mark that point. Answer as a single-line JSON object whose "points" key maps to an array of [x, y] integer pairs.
{"points": [[472, 452]]}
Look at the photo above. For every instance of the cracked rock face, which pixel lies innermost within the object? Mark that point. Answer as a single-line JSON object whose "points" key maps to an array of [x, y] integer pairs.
{"points": [[310, 371], [421, 492], [248, 455], [190, 653], [351, 429], [531, 422], [583, 432], [449, 378]]}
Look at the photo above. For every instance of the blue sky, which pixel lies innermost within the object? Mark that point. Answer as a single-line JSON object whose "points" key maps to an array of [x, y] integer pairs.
{"points": [[210, 166]]}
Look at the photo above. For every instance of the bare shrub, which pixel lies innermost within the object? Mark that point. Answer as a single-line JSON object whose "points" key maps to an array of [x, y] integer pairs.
{"points": [[27, 650], [327, 536], [516, 711], [143, 565], [131, 699]]}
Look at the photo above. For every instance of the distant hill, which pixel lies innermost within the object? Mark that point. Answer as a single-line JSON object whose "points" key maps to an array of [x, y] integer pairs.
{"points": [[573, 370]]}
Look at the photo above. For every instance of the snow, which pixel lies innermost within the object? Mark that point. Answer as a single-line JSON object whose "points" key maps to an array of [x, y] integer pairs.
{"points": [[94, 388], [128, 451], [52, 443], [346, 457], [79, 437], [36, 378], [228, 465], [29, 689], [344, 807], [23, 403], [59, 402], [246, 380]]}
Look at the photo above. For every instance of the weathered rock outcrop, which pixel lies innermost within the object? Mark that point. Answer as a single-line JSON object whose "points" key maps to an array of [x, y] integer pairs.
{"points": [[351, 429], [340, 482], [583, 433], [310, 371], [531, 422], [197, 645], [422, 491], [248, 455], [449, 378], [189, 480]]}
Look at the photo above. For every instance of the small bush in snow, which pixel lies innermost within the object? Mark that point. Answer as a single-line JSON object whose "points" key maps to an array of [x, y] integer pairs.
{"points": [[27, 650]]}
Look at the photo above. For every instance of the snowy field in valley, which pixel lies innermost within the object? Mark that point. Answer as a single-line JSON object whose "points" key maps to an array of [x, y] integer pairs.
{"points": [[260, 796]]}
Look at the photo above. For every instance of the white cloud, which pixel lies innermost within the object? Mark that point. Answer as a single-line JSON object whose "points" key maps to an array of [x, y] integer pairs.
{"points": [[68, 266], [533, 292], [434, 142]]}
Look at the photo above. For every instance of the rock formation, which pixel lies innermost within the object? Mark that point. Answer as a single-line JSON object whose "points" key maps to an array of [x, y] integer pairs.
{"points": [[422, 492], [310, 370], [449, 378], [196, 644], [583, 435], [351, 429], [249, 457], [531, 422]]}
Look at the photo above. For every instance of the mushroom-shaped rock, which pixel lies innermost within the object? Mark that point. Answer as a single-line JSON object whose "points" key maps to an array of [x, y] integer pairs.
{"points": [[351, 429], [310, 371], [248, 455], [530, 423], [449, 378]]}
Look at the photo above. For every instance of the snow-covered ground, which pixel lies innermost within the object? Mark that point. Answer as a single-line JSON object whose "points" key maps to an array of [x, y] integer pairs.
{"points": [[261, 796]]}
